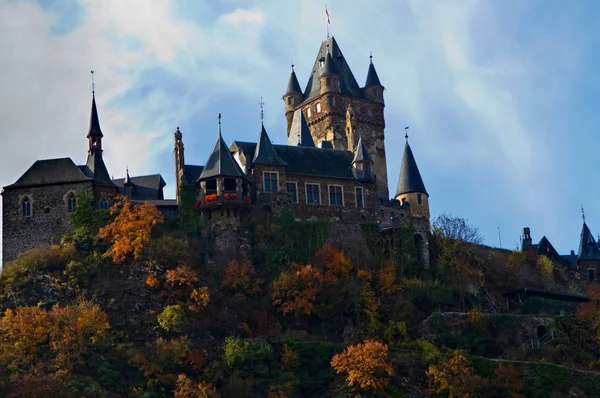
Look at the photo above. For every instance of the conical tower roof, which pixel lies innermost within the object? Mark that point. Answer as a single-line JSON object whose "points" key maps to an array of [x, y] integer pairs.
{"points": [[293, 85], [221, 163], [94, 130], [265, 152], [410, 178], [299, 131], [361, 153], [372, 78], [588, 248]]}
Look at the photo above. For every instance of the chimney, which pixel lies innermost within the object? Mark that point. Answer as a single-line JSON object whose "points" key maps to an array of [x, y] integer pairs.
{"points": [[526, 236]]}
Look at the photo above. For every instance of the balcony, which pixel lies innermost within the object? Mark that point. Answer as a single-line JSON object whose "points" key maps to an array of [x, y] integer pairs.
{"points": [[227, 199]]}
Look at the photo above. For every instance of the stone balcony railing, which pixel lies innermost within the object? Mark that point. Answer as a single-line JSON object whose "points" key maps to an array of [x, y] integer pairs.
{"points": [[232, 199]]}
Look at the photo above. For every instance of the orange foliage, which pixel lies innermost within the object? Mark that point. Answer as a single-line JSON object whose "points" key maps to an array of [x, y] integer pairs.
{"points": [[386, 278], [196, 359], [507, 377], [200, 298], [289, 359], [183, 275], [131, 228], [456, 376], [64, 332], [360, 362], [334, 260], [296, 290], [186, 388], [241, 277], [152, 281], [155, 357]]}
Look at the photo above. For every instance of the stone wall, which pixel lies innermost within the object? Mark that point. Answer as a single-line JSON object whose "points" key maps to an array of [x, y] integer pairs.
{"points": [[48, 222]]}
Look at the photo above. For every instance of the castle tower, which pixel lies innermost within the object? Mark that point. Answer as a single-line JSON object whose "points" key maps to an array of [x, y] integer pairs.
{"points": [[95, 167], [330, 91], [410, 185], [179, 162], [292, 98]]}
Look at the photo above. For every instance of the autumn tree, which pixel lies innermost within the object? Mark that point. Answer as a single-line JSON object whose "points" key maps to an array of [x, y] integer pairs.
{"points": [[130, 230], [240, 277], [363, 364], [186, 388], [335, 261], [590, 311], [507, 378], [456, 376], [544, 266], [296, 290], [456, 228]]}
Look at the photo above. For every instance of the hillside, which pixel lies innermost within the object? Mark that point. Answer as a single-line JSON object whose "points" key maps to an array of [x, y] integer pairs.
{"points": [[134, 304]]}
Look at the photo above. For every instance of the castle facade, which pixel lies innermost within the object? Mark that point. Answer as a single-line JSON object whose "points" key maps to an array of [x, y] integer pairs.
{"points": [[333, 167]]}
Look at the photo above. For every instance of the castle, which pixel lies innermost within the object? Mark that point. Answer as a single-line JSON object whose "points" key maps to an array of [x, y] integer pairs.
{"points": [[332, 168]]}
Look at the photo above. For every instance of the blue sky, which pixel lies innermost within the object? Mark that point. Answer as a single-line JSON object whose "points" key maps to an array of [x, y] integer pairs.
{"points": [[501, 96]]}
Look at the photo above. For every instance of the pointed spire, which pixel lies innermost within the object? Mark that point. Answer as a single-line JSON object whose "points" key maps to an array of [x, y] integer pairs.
{"points": [[221, 161], [127, 181], [372, 78], [299, 131], [94, 130], [361, 154], [588, 249], [329, 68], [410, 178], [293, 85], [265, 152]]}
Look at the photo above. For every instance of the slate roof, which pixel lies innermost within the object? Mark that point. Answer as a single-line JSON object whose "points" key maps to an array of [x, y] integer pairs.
{"points": [[372, 78], [293, 85], [410, 179], [51, 171], [94, 130], [149, 187], [361, 153], [588, 248], [96, 169], [191, 173], [348, 84], [329, 67], [545, 247], [299, 131], [221, 162], [265, 153], [307, 161]]}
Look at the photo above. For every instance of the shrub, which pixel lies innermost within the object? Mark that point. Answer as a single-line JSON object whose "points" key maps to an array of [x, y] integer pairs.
{"points": [[172, 318], [361, 361]]}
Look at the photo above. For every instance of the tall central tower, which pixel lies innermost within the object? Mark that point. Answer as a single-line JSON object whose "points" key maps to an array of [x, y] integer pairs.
{"points": [[338, 110]]}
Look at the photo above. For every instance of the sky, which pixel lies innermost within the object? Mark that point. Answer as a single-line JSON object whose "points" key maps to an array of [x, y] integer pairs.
{"points": [[501, 96]]}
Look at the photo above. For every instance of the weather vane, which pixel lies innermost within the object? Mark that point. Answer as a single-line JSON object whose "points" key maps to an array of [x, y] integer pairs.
{"points": [[93, 86], [406, 133], [262, 111], [582, 214]]}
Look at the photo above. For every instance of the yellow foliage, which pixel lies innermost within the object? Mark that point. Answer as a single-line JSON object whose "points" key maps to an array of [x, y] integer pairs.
{"points": [[289, 359], [296, 290], [386, 278], [200, 297], [335, 261], [456, 376], [544, 266], [364, 275], [186, 388], [152, 281], [241, 277], [516, 259], [131, 228], [359, 362]]}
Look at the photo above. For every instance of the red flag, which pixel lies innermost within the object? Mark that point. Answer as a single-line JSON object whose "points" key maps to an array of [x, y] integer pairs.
{"points": [[327, 13]]}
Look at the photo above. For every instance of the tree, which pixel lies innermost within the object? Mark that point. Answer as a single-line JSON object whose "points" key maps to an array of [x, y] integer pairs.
{"points": [[456, 376], [544, 266], [240, 277], [507, 378], [457, 228], [296, 290], [335, 261], [362, 364], [186, 388], [590, 311], [131, 228]]}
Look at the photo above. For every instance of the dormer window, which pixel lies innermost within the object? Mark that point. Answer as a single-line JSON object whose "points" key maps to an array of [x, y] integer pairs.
{"points": [[322, 62], [26, 207], [419, 201], [308, 113], [318, 107], [71, 203]]}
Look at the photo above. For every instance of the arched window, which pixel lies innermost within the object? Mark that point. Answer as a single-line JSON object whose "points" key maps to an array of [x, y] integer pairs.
{"points": [[103, 204], [26, 207], [71, 203]]}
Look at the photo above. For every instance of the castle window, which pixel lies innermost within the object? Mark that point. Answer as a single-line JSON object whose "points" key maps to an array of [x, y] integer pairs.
{"points": [[289, 100], [321, 62], [336, 197], [419, 201], [374, 92], [591, 275], [318, 107], [71, 203], [26, 207], [103, 205], [308, 113], [211, 186], [360, 199], [356, 108], [270, 181], [345, 104], [229, 185], [292, 189], [331, 101], [312, 193], [368, 111]]}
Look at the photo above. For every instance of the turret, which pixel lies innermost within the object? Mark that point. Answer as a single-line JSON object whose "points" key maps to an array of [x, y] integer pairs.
{"points": [[179, 161], [299, 133], [95, 167], [410, 185], [329, 78], [292, 97], [362, 164], [127, 184], [373, 88], [94, 135]]}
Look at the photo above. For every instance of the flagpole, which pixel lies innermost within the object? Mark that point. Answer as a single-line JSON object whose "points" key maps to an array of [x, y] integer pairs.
{"points": [[326, 21]]}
